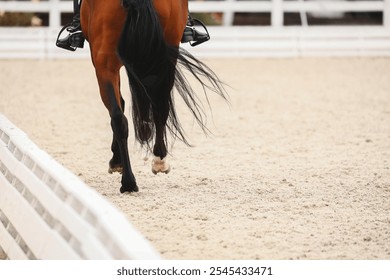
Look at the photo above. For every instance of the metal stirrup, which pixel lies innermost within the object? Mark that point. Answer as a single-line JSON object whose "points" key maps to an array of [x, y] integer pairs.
{"points": [[191, 34]]}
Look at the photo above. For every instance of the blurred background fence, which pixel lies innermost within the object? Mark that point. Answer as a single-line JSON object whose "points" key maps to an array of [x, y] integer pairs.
{"points": [[270, 28]]}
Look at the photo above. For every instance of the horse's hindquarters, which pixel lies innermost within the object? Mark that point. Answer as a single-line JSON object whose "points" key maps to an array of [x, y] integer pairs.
{"points": [[173, 17]]}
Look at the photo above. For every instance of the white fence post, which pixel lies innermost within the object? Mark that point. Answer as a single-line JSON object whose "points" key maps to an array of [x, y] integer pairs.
{"points": [[55, 14], [386, 13], [228, 16], [303, 14], [277, 13]]}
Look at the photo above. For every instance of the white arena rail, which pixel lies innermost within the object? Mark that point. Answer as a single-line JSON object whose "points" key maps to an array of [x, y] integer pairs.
{"points": [[47, 212], [272, 41], [235, 41], [278, 7], [250, 41]]}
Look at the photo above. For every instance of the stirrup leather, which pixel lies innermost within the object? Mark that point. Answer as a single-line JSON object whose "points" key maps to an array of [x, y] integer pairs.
{"points": [[193, 36], [72, 41]]}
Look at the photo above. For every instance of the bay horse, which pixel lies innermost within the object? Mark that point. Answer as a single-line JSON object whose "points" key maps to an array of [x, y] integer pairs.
{"points": [[144, 37]]}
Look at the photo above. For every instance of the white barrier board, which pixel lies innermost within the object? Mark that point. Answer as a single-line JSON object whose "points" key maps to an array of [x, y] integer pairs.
{"points": [[235, 41], [47, 212]]}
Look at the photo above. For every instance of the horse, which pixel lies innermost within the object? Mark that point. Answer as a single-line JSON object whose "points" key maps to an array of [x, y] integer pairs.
{"points": [[144, 36]]}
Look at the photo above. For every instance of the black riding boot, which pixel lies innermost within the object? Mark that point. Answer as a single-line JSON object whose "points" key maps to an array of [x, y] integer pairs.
{"points": [[76, 38], [193, 36]]}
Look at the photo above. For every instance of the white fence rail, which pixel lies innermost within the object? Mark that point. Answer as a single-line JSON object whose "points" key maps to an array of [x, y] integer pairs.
{"points": [[228, 7], [227, 40], [46, 212], [278, 7], [296, 42]]}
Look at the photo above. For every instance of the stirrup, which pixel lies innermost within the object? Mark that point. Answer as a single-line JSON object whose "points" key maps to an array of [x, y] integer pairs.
{"points": [[193, 36], [70, 42]]}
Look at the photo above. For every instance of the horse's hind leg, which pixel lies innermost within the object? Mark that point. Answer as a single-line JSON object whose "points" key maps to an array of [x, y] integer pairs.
{"points": [[115, 164], [159, 163], [120, 130], [110, 92], [161, 110]]}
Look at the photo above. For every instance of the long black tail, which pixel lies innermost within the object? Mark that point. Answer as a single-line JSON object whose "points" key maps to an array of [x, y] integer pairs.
{"points": [[153, 67]]}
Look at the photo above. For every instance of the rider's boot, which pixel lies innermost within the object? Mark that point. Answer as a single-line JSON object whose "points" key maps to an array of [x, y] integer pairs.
{"points": [[76, 38], [192, 35]]}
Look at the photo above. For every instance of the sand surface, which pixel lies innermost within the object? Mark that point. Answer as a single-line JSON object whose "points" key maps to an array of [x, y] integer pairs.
{"points": [[297, 166]]}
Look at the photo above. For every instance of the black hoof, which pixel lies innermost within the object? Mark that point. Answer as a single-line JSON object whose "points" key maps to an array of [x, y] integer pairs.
{"points": [[130, 189]]}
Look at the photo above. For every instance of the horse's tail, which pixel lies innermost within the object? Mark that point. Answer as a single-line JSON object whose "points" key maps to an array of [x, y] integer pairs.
{"points": [[152, 70]]}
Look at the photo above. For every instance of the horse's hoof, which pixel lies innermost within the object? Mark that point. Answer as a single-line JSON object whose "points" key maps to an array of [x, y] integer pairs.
{"points": [[160, 165], [118, 169], [129, 189]]}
